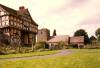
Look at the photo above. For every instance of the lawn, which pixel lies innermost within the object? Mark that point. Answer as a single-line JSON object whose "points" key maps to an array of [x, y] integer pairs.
{"points": [[80, 58], [29, 54]]}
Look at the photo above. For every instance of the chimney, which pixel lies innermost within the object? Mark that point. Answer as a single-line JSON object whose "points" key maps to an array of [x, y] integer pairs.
{"points": [[21, 8]]}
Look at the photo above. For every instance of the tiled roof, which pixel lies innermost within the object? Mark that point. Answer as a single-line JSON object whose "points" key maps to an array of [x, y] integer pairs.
{"points": [[59, 38], [10, 10], [43, 29], [22, 12], [77, 39], [17, 12]]}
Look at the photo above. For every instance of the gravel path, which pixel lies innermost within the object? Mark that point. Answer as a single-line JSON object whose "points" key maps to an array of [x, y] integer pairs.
{"points": [[61, 53]]}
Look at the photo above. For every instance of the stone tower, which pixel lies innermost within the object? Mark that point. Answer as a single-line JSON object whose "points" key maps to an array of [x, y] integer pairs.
{"points": [[43, 35]]}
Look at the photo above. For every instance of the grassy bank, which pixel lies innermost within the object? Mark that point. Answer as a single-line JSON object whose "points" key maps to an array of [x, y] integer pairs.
{"points": [[29, 54], [85, 58]]}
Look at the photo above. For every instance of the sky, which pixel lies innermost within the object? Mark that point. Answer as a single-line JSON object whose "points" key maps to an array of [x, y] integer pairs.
{"points": [[66, 16]]}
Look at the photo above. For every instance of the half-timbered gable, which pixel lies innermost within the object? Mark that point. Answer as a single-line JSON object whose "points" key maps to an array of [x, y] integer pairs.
{"points": [[18, 24]]}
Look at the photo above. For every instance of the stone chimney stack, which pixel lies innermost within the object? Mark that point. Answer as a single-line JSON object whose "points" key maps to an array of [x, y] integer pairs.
{"points": [[22, 9]]}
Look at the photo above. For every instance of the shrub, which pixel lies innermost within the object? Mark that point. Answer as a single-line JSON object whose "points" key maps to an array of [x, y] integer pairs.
{"points": [[62, 45], [71, 46], [2, 53], [40, 45], [92, 47], [24, 50]]}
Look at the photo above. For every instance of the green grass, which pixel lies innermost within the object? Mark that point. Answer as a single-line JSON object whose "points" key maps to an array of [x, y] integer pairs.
{"points": [[29, 54], [85, 58]]}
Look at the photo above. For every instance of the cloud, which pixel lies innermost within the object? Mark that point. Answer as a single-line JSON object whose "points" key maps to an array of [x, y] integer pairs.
{"points": [[70, 5], [64, 15], [90, 24], [94, 20], [68, 17], [79, 1]]}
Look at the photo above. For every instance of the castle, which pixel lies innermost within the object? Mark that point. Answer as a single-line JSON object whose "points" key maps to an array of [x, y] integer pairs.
{"points": [[21, 29], [53, 41]]}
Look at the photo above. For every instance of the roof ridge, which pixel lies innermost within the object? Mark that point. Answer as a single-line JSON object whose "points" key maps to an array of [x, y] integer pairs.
{"points": [[8, 7]]}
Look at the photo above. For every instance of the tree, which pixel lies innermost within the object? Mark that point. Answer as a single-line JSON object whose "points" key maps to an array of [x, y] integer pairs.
{"points": [[82, 32], [97, 33], [92, 38], [54, 32]]}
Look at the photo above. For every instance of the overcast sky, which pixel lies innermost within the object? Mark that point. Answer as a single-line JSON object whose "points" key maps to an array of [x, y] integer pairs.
{"points": [[66, 16]]}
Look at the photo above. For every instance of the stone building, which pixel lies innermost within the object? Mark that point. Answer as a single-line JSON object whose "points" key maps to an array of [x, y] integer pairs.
{"points": [[43, 35], [78, 41], [53, 41], [18, 25]]}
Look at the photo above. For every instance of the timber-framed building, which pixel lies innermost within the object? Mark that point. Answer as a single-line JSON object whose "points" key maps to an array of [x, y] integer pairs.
{"points": [[18, 25]]}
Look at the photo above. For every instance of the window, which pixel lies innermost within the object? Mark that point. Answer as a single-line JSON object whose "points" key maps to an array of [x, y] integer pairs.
{"points": [[30, 28], [0, 24], [6, 30], [18, 20], [3, 18], [11, 17], [0, 21], [3, 23], [14, 23], [14, 31], [7, 22], [27, 24], [15, 18], [27, 28], [6, 17], [5, 13], [2, 13], [20, 25], [11, 22]]}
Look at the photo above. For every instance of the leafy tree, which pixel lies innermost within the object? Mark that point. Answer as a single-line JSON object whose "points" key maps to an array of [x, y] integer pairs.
{"points": [[54, 33], [92, 38], [82, 32], [97, 33]]}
